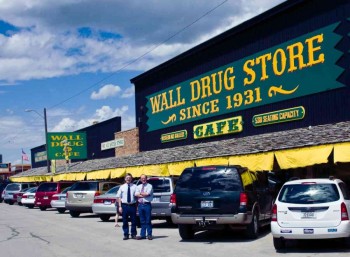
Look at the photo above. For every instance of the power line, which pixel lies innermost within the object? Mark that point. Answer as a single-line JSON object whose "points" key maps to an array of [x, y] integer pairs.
{"points": [[141, 56]]}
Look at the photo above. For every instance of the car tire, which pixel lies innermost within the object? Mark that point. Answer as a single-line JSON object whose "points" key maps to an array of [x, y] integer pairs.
{"points": [[279, 243], [186, 232], [61, 210], [252, 230], [42, 208], [105, 218], [74, 214], [20, 204], [10, 203]]}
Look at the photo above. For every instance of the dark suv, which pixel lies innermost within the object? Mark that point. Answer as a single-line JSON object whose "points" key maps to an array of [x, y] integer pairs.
{"points": [[213, 197]]}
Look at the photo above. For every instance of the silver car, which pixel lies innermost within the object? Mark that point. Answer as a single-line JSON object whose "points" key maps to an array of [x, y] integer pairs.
{"points": [[81, 195], [58, 201], [12, 189], [105, 205]]}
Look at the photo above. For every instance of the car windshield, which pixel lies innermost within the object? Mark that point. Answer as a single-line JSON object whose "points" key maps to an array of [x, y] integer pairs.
{"points": [[32, 190], [160, 185], [65, 190], [113, 190], [309, 193], [84, 186], [48, 187], [12, 187], [210, 178]]}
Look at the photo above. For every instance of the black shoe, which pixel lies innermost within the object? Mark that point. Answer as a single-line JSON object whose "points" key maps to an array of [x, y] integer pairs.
{"points": [[150, 237], [125, 237], [133, 237], [140, 237]]}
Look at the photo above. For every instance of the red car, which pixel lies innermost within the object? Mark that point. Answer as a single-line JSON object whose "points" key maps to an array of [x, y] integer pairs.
{"points": [[45, 192]]}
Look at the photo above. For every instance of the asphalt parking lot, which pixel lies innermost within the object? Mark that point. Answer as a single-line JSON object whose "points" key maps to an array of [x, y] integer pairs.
{"points": [[35, 233]]}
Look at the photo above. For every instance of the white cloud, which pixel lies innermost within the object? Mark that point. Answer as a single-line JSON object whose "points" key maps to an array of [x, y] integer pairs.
{"points": [[129, 92], [49, 45], [106, 92]]}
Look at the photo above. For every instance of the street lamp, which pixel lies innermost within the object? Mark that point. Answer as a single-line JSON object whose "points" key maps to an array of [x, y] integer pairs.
{"points": [[46, 145]]}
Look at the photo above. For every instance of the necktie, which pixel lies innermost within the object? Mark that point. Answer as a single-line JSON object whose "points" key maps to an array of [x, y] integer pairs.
{"points": [[129, 194]]}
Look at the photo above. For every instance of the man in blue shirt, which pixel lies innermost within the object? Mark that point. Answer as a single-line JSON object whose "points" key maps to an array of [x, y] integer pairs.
{"points": [[127, 206], [144, 193]]}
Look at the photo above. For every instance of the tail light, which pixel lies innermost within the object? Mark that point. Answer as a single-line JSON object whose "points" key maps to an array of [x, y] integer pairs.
{"points": [[173, 199], [97, 193], [24, 196], [274, 213], [54, 197], [344, 212], [98, 200], [243, 199]]}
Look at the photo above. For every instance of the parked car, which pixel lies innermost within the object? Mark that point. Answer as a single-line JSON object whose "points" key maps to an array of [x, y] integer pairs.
{"points": [[218, 197], [311, 209], [14, 188], [81, 195], [58, 201], [28, 198], [2, 187], [105, 205], [163, 188], [18, 196], [45, 192]]}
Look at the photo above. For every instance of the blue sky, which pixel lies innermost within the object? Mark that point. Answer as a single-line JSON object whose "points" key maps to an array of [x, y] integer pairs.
{"points": [[76, 58]]}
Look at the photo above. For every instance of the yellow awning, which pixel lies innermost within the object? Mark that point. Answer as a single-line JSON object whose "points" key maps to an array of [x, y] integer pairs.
{"points": [[342, 152], [98, 174], [176, 168], [149, 170], [302, 157], [254, 162], [60, 177], [117, 173], [76, 176], [212, 161]]}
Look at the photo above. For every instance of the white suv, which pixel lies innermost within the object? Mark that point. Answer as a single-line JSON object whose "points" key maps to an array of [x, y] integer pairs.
{"points": [[311, 209]]}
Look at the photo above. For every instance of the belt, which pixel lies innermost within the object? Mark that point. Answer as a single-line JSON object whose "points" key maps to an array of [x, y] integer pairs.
{"points": [[128, 203]]}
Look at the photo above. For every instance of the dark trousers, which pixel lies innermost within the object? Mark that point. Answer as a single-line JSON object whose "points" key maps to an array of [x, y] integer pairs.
{"points": [[129, 212], [145, 213]]}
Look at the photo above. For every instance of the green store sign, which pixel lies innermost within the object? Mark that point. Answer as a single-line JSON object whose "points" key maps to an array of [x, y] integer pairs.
{"points": [[299, 67], [173, 136], [296, 113], [67, 145]]}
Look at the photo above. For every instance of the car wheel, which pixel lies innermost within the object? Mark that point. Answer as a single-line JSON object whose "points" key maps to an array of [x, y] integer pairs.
{"points": [[42, 208], [10, 203], [20, 204], [104, 218], [279, 243], [74, 214], [186, 232], [61, 210], [252, 231]]}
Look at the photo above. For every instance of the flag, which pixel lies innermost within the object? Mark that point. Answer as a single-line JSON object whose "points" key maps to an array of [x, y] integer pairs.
{"points": [[24, 156]]}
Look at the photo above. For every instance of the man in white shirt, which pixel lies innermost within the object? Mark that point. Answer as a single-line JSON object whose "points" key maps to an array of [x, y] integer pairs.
{"points": [[144, 193], [127, 206]]}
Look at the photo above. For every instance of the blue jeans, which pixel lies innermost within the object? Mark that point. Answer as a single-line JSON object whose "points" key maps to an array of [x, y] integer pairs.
{"points": [[129, 212], [145, 212]]}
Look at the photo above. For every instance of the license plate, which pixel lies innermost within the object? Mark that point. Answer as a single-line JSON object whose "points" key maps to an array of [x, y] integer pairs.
{"points": [[107, 202], [79, 195], [46, 197], [62, 198], [30, 196], [308, 215], [207, 204], [156, 200]]}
